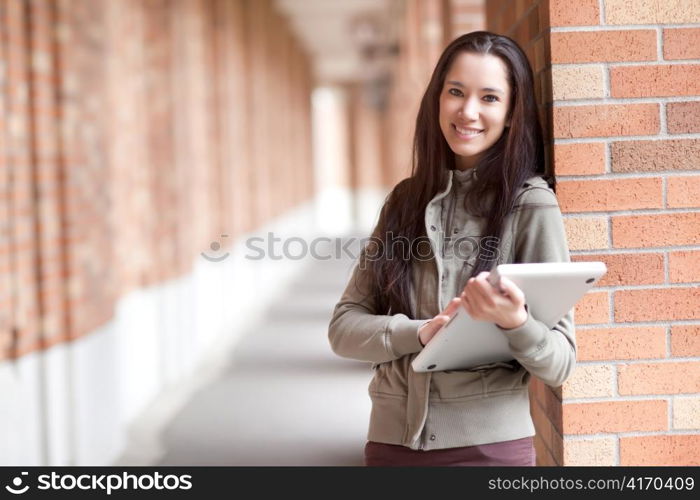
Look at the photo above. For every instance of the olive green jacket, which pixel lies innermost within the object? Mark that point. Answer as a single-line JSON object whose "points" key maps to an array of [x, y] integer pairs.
{"points": [[485, 404]]}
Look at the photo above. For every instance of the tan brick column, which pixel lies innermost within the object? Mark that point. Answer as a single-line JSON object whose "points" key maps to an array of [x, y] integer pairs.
{"points": [[135, 134], [625, 123], [426, 30], [19, 299], [466, 16]]}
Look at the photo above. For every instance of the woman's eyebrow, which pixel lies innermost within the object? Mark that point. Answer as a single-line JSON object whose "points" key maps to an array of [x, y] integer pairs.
{"points": [[486, 89]]}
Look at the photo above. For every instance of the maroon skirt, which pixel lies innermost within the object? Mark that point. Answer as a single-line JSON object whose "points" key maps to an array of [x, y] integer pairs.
{"points": [[518, 452]]}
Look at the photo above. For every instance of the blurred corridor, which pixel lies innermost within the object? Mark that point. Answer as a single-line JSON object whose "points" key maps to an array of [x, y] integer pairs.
{"points": [[152, 154], [279, 397], [284, 398]]}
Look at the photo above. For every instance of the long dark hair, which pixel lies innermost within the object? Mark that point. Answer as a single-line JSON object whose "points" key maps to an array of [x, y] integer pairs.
{"points": [[502, 169]]}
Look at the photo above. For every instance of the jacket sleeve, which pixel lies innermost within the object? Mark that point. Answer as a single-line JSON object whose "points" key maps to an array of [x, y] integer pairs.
{"points": [[548, 354], [356, 331]]}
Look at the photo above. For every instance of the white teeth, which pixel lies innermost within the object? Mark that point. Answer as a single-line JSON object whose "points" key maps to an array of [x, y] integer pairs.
{"points": [[464, 131]]}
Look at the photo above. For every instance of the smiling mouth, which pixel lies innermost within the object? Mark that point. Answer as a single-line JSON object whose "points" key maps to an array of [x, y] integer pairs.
{"points": [[466, 133]]}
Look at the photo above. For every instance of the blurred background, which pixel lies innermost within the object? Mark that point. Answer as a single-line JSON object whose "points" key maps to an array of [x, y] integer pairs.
{"points": [[146, 145], [183, 187]]}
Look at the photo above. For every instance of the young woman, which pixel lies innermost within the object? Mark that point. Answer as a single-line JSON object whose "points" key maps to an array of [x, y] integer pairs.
{"points": [[477, 197]]}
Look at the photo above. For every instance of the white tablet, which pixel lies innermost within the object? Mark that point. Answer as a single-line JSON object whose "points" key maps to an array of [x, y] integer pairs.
{"points": [[551, 290]]}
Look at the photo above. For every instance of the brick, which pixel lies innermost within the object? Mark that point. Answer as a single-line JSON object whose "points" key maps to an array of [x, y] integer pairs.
{"points": [[655, 80], [461, 9], [551, 405], [545, 430], [632, 231], [545, 95], [655, 156], [577, 82], [683, 117], [593, 308], [685, 340], [657, 304], [556, 446], [651, 12], [589, 381], [556, 393], [589, 452], [534, 21], [579, 159], [144, 184], [684, 267], [603, 46], [544, 456], [586, 13], [522, 29], [628, 268], [659, 378], [537, 391], [520, 7], [620, 343], [586, 233], [615, 416], [605, 120], [6, 347], [681, 43], [541, 60], [686, 413], [507, 18], [674, 450], [683, 192], [610, 195]]}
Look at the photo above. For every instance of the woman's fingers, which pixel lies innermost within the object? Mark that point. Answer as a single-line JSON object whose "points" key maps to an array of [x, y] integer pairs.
{"points": [[477, 296], [437, 323], [465, 302], [512, 290], [452, 306], [429, 329], [482, 300]]}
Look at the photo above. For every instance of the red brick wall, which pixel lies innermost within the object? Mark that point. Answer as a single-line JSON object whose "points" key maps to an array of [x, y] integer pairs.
{"points": [[427, 28], [466, 16], [527, 23], [6, 267], [135, 133], [21, 215], [623, 93]]}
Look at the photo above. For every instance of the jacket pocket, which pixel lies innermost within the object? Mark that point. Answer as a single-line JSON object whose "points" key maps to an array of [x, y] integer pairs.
{"points": [[505, 378], [455, 384], [389, 379]]}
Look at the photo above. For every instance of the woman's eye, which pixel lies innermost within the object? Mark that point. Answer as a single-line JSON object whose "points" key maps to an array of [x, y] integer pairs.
{"points": [[455, 92], [494, 98]]}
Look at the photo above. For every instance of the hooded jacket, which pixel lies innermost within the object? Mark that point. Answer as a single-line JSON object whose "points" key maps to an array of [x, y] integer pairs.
{"points": [[484, 404]]}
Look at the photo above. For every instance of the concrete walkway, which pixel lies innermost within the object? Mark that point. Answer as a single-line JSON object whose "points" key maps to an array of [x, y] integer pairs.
{"points": [[283, 397]]}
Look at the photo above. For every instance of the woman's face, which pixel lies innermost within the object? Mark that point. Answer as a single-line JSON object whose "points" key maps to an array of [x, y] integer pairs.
{"points": [[474, 105]]}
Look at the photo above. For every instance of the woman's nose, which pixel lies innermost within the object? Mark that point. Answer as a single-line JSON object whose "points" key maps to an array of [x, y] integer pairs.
{"points": [[470, 109]]}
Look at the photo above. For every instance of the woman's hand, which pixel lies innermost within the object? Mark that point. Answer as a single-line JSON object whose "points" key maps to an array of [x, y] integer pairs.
{"points": [[428, 330], [484, 303]]}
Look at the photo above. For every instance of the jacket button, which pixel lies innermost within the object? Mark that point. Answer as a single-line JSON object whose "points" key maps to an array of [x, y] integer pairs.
{"points": [[433, 228], [432, 437]]}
